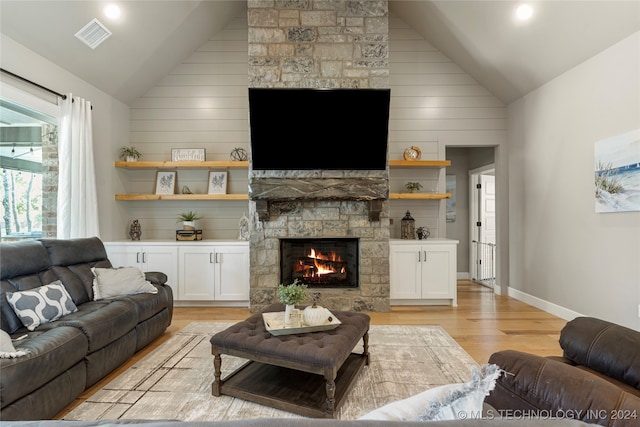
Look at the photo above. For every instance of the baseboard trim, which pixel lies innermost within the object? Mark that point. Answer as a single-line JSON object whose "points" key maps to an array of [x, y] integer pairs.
{"points": [[549, 307]]}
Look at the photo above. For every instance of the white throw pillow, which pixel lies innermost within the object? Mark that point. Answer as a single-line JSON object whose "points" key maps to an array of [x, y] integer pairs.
{"points": [[44, 304], [446, 402], [7, 350], [113, 282]]}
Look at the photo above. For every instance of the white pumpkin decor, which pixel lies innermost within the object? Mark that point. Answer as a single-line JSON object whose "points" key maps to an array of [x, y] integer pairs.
{"points": [[315, 315]]}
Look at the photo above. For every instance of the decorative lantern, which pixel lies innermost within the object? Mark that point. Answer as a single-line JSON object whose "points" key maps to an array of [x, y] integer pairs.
{"points": [[408, 227]]}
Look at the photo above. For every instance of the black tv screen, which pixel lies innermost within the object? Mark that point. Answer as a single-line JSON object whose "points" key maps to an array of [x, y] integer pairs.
{"points": [[331, 129]]}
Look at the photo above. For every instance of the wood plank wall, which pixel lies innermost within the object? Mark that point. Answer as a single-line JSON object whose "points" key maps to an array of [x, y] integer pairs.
{"points": [[434, 103], [203, 103]]}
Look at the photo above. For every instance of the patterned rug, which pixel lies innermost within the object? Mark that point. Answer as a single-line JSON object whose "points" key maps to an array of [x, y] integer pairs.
{"points": [[174, 382]]}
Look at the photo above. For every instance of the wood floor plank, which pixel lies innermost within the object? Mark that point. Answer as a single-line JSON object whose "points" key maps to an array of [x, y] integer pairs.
{"points": [[482, 324]]}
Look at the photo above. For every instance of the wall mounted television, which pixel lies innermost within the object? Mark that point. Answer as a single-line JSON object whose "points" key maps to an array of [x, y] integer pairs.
{"points": [[325, 129]]}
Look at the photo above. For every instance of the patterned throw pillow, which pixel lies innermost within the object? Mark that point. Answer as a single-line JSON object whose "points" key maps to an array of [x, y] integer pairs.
{"points": [[41, 305]]}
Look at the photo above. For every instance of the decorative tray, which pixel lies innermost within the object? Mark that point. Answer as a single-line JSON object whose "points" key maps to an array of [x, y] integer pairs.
{"points": [[274, 322]]}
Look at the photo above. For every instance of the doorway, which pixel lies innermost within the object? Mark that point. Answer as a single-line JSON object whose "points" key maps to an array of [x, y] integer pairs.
{"points": [[482, 216]]}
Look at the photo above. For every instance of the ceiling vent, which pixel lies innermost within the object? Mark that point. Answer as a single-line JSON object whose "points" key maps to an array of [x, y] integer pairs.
{"points": [[93, 33]]}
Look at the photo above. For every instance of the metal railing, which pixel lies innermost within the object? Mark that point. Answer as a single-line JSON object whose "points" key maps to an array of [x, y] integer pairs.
{"points": [[485, 266]]}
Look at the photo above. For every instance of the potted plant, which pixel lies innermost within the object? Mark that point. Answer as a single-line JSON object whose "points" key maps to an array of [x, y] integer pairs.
{"points": [[413, 186], [290, 295], [188, 220], [130, 154], [423, 232]]}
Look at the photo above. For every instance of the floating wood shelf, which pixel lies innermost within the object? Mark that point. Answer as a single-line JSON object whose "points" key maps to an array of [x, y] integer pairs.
{"points": [[420, 196], [419, 163], [167, 165], [184, 165], [182, 197]]}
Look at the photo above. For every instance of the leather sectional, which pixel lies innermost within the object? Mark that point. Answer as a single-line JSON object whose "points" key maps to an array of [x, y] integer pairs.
{"points": [[69, 355], [596, 380]]}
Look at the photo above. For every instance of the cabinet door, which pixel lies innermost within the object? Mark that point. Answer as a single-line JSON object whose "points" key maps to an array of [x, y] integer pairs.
{"points": [[405, 271], [438, 272], [164, 259], [196, 273], [124, 255], [232, 273], [146, 258]]}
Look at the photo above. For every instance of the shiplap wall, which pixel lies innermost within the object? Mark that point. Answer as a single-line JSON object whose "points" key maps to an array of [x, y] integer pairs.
{"points": [[203, 103], [434, 103]]}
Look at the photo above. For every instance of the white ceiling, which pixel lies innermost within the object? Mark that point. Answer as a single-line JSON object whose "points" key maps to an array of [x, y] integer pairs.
{"points": [[481, 36]]}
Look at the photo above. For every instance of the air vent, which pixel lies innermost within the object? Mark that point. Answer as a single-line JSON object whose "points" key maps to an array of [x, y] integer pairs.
{"points": [[93, 33]]}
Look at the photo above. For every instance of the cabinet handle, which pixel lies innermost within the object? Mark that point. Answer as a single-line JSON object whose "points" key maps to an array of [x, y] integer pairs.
{"points": [[210, 257], [419, 256], [217, 258], [137, 257], [425, 256], [144, 257]]}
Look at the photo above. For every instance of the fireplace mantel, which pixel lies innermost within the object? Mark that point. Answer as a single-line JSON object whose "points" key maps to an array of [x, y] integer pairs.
{"points": [[284, 189], [374, 189]]}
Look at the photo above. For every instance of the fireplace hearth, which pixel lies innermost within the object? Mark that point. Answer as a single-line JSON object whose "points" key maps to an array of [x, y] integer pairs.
{"points": [[320, 262]]}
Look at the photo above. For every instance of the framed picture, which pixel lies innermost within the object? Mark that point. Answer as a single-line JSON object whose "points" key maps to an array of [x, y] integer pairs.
{"points": [[217, 182], [187, 155], [166, 182]]}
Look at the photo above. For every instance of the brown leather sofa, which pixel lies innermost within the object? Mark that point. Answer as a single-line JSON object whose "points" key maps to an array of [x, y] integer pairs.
{"points": [[597, 379]]}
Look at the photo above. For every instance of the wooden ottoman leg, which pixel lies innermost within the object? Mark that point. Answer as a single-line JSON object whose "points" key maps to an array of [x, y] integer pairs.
{"points": [[216, 385], [331, 395], [365, 343]]}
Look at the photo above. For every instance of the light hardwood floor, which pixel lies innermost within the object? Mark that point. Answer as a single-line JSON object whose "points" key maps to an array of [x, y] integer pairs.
{"points": [[482, 324]]}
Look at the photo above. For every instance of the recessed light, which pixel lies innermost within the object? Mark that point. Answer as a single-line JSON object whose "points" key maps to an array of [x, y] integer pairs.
{"points": [[112, 11], [524, 12]]}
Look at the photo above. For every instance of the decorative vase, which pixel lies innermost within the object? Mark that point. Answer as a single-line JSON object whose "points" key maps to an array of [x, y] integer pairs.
{"points": [[188, 225], [132, 159], [135, 231], [288, 313], [315, 315]]}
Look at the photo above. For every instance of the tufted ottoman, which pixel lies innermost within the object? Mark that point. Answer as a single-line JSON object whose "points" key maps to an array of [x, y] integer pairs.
{"points": [[308, 374]]}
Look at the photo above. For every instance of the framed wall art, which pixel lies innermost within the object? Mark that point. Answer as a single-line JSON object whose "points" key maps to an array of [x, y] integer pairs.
{"points": [[217, 182], [617, 173], [188, 154], [166, 182]]}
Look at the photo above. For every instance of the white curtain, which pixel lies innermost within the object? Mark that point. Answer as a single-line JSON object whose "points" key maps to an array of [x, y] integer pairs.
{"points": [[77, 197]]}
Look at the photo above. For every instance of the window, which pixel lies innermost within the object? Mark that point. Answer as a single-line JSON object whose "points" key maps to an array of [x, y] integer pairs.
{"points": [[29, 165]]}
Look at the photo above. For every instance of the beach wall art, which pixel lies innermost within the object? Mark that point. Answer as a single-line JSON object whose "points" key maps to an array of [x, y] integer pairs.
{"points": [[617, 173]]}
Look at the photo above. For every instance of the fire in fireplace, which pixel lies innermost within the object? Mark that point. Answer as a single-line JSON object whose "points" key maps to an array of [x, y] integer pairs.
{"points": [[320, 263]]}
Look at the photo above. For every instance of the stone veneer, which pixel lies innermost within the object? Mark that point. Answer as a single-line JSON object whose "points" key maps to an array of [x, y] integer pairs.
{"points": [[319, 44]]}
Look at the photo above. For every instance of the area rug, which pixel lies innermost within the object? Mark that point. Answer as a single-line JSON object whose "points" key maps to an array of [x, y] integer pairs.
{"points": [[174, 381]]}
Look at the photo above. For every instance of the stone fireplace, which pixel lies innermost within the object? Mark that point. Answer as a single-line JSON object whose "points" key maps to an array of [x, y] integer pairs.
{"points": [[319, 44]]}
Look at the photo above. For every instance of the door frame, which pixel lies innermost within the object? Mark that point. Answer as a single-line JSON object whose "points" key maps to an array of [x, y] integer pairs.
{"points": [[474, 214]]}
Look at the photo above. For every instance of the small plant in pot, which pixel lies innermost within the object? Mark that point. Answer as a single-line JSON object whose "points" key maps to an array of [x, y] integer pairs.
{"points": [[130, 154], [188, 220], [290, 295], [413, 186]]}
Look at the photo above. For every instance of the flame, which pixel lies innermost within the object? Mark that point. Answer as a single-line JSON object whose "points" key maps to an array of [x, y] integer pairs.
{"points": [[321, 266]]}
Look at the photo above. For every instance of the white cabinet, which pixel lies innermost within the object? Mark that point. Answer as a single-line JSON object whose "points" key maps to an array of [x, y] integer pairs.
{"points": [[202, 272], [423, 272], [214, 272], [147, 257]]}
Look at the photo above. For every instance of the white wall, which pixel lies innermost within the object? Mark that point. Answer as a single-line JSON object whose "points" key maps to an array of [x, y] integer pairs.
{"points": [[110, 119], [564, 253]]}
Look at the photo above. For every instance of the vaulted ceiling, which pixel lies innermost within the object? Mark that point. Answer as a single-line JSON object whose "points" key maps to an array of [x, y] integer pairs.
{"points": [[152, 37]]}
